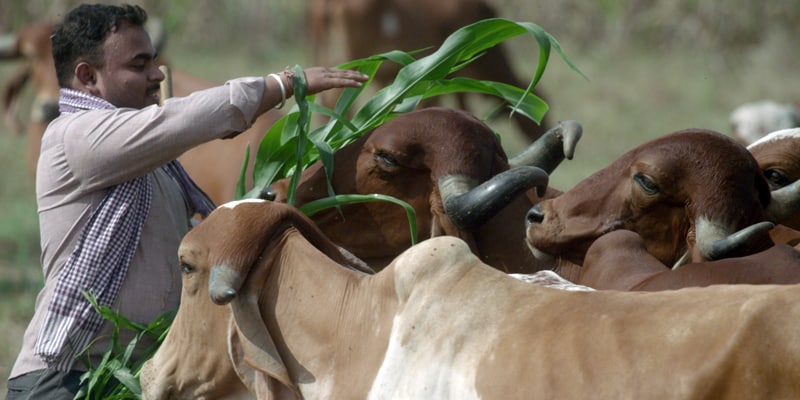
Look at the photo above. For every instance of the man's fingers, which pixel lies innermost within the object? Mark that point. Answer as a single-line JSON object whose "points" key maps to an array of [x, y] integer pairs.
{"points": [[320, 78]]}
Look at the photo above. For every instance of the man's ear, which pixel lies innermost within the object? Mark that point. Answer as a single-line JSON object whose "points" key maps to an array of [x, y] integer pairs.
{"points": [[85, 75]]}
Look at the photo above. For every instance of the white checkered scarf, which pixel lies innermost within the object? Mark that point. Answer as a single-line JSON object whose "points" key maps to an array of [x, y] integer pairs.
{"points": [[100, 260]]}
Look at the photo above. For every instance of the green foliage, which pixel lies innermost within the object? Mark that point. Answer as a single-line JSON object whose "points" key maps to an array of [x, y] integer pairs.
{"points": [[285, 151], [117, 374], [313, 207], [287, 148]]}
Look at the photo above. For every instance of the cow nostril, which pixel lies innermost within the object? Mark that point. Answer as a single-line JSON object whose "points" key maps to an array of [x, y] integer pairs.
{"points": [[534, 216]]}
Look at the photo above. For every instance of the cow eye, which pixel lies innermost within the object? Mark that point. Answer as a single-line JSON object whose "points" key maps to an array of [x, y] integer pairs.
{"points": [[776, 178], [646, 183], [385, 160], [186, 268]]}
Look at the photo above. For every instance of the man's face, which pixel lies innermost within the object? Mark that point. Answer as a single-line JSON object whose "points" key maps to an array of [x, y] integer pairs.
{"points": [[130, 76]]}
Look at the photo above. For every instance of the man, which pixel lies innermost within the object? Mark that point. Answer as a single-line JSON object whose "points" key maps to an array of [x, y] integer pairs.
{"points": [[113, 204]]}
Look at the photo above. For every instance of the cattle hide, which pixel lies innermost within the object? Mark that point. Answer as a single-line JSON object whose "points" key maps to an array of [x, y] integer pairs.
{"points": [[619, 261], [438, 323]]}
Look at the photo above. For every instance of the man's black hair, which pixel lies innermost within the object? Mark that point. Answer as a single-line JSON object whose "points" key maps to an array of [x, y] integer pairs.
{"points": [[81, 35]]}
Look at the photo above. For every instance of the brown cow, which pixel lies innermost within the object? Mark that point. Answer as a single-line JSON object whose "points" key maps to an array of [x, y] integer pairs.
{"points": [[215, 165], [429, 158], [680, 192], [619, 259], [438, 323], [343, 30]]}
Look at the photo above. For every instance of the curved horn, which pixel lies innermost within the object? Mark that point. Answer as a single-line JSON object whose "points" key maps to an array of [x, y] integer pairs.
{"points": [[550, 149], [468, 206], [8, 47], [267, 194], [749, 237], [785, 203]]}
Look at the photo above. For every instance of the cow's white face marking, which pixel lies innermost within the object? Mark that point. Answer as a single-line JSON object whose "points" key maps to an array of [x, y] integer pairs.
{"points": [[232, 204], [708, 228], [792, 133]]}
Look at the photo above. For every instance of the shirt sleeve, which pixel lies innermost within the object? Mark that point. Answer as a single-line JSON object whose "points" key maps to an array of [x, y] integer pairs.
{"points": [[107, 147]]}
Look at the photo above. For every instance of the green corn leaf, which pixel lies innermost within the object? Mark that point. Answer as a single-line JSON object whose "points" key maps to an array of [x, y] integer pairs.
{"points": [[128, 379], [316, 206], [300, 90], [417, 79], [241, 187], [529, 105], [116, 375]]}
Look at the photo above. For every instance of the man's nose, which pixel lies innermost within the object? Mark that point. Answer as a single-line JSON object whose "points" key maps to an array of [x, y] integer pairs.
{"points": [[159, 73]]}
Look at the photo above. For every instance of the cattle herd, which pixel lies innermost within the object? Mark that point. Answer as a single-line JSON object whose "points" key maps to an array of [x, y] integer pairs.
{"points": [[671, 273]]}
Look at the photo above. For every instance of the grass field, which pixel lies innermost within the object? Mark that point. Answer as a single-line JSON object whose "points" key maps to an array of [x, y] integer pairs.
{"points": [[635, 92]]}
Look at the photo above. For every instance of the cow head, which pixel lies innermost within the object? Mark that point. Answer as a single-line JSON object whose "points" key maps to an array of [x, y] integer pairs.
{"points": [[228, 258], [212, 374], [216, 258], [679, 192], [431, 158]]}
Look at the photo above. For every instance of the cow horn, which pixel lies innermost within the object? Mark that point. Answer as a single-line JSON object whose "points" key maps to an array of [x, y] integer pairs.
{"points": [[785, 203], [8, 46], [551, 148], [714, 245], [468, 206], [267, 194]]}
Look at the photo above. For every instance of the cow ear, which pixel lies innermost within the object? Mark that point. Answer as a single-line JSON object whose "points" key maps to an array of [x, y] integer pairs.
{"points": [[253, 352], [257, 382], [245, 373]]}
